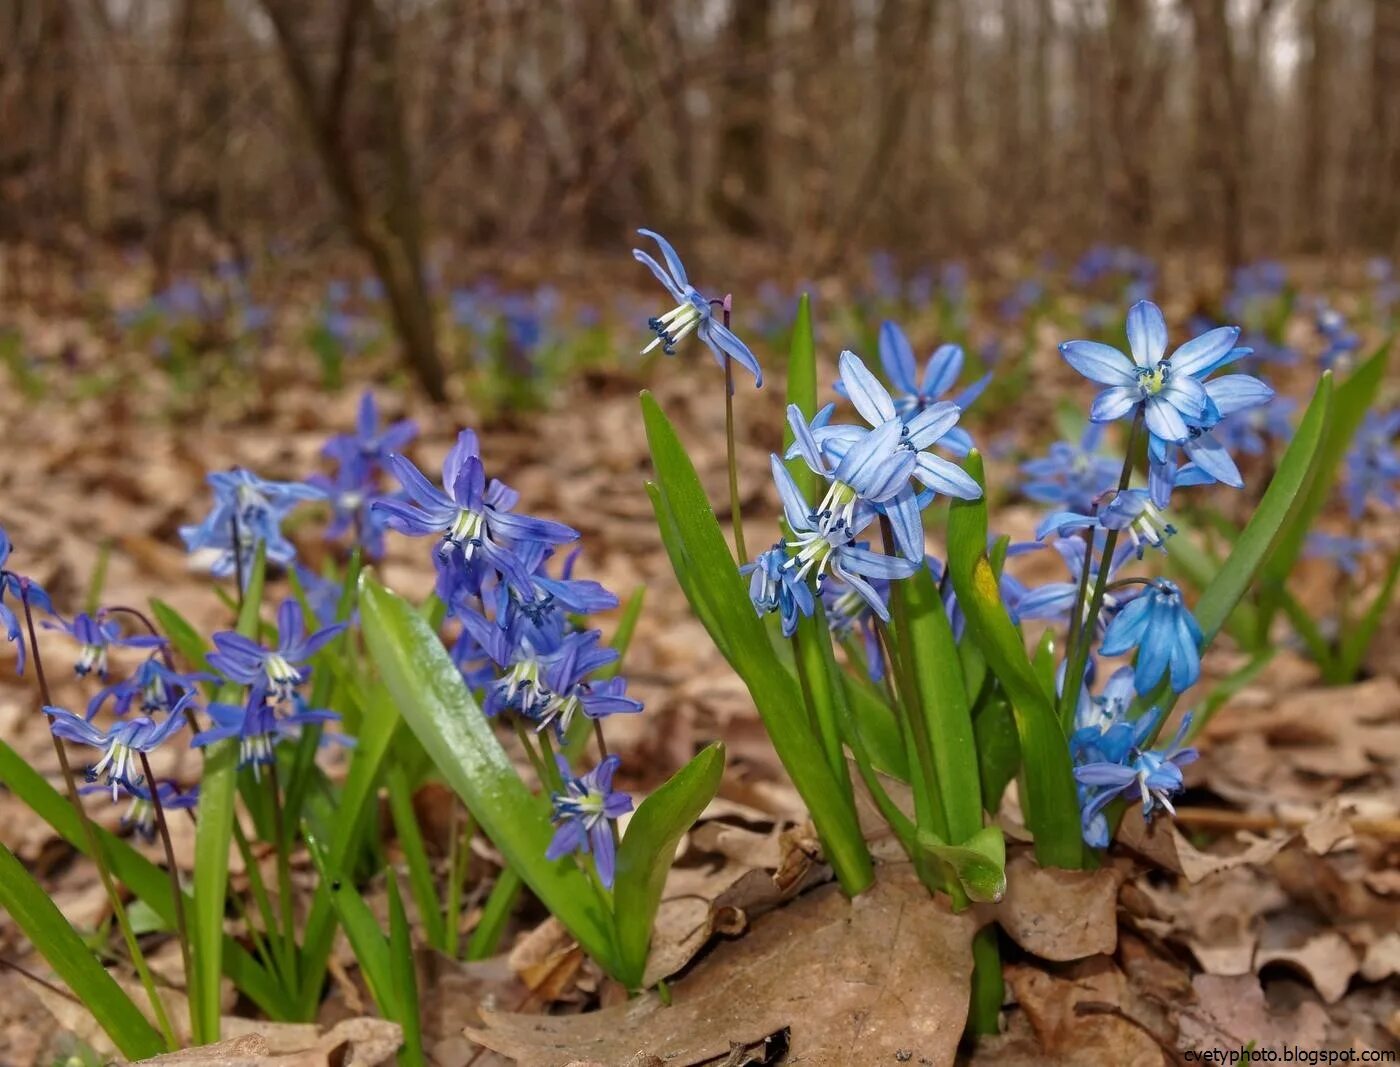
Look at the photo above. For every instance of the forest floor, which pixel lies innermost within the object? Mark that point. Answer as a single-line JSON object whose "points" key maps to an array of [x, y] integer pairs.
{"points": [[1267, 916]]}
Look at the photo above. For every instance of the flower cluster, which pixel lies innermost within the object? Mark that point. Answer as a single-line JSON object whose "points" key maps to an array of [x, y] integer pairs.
{"points": [[882, 472], [518, 641]]}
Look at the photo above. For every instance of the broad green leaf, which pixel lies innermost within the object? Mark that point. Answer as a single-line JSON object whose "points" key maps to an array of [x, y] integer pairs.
{"points": [[143, 878], [218, 789], [740, 635], [437, 706], [648, 848], [35, 913], [684, 568], [878, 725], [941, 698], [820, 689], [1051, 802], [1285, 504], [802, 389], [979, 863]]}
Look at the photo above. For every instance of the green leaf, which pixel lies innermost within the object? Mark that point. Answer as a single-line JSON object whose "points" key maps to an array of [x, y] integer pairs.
{"points": [[648, 848], [217, 791], [38, 916], [737, 631], [979, 863], [998, 750], [362, 929], [1363, 631], [143, 878], [878, 725], [802, 389], [405, 978], [415, 852], [684, 568], [437, 706], [1051, 802], [1279, 514], [182, 635]]}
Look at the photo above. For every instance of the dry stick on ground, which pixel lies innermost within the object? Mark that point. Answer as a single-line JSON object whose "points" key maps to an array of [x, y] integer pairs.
{"points": [[1217, 819]]}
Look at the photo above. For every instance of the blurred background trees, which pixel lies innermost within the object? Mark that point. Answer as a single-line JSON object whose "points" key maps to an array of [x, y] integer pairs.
{"points": [[933, 127]]}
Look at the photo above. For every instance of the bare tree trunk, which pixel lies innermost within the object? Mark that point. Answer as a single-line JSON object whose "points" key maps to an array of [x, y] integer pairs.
{"points": [[741, 176], [1221, 144], [1133, 103], [391, 237], [1383, 204]]}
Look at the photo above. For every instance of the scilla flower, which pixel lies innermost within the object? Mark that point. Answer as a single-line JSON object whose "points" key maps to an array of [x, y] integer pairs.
{"points": [[1071, 475], [95, 636], [1164, 387], [472, 518], [157, 686], [583, 814], [693, 313], [140, 814], [824, 542], [369, 444], [1165, 634], [1152, 776], [1127, 509], [258, 727], [20, 588], [250, 509], [278, 670], [774, 586], [122, 745]]}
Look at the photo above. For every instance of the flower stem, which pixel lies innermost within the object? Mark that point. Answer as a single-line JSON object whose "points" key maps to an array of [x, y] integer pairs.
{"points": [[181, 927], [95, 849], [237, 558], [284, 863], [736, 513], [1074, 678]]}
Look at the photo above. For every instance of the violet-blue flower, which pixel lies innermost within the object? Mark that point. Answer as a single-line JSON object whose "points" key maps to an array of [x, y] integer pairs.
{"points": [[1371, 472], [122, 745], [21, 588], [693, 313], [158, 686], [370, 445], [1072, 475], [1344, 552], [279, 670], [258, 726], [1130, 510], [583, 816], [1152, 776], [774, 586], [95, 637], [140, 814], [256, 507]]}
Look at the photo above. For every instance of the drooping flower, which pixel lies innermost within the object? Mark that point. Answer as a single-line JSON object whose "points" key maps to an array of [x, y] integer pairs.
{"points": [[1130, 510], [693, 313], [1152, 776], [1372, 467], [1340, 341], [1209, 459], [352, 493], [1166, 636], [158, 686], [915, 393], [258, 726], [97, 635], [848, 613], [278, 670], [1165, 388], [21, 588], [824, 541], [583, 816], [122, 745], [248, 512], [1054, 601], [774, 586], [472, 518], [140, 814]]}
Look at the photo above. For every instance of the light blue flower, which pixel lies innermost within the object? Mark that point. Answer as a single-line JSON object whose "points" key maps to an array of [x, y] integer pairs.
{"points": [[774, 586], [1072, 475], [95, 636], [1164, 387], [1152, 776], [256, 507], [693, 313], [1130, 510], [1166, 636], [1345, 552]]}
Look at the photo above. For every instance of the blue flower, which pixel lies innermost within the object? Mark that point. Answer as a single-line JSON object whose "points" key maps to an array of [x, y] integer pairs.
{"points": [[1132, 510], [1152, 776], [1165, 388], [473, 520], [1372, 467], [95, 636], [369, 444], [258, 727], [918, 393], [1344, 552], [1102, 730], [824, 541], [257, 507], [540, 605], [279, 670], [158, 686], [122, 745], [352, 494], [1251, 431], [693, 313], [847, 613], [21, 588], [1210, 461], [1339, 339], [140, 815], [1072, 475], [582, 814], [1054, 601], [1165, 634], [774, 586]]}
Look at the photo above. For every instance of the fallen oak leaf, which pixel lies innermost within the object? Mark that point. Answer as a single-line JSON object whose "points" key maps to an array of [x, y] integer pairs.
{"points": [[363, 1042], [1058, 914]]}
